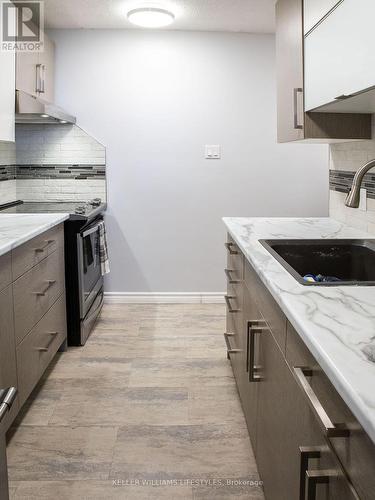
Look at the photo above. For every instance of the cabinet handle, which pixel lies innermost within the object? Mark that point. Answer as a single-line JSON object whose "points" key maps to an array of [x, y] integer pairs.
{"points": [[328, 427], [296, 91], [250, 324], [342, 97], [44, 247], [228, 298], [306, 453], [42, 349], [7, 401], [254, 369], [229, 347], [229, 246], [231, 281], [49, 284], [315, 477], [40, 78]]}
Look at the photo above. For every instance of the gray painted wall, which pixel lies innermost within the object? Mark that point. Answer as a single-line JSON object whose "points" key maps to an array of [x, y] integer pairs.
{"points": [[155, 99]]}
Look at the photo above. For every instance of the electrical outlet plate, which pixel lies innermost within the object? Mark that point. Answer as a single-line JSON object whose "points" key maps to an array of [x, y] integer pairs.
{"points": [[212, 152]]}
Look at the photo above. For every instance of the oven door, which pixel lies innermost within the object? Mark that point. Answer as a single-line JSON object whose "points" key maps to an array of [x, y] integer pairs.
{"points": [[90, 274]]}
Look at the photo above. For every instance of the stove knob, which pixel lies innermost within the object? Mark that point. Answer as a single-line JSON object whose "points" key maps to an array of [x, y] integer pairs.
{"points": [[95, 202], [80, 210]]}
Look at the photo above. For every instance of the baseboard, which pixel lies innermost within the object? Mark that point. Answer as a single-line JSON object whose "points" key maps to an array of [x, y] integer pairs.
{"points": [[163, 298]]}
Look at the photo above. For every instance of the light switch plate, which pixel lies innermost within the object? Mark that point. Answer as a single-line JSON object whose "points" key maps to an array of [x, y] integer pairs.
{"points": [[363, 200], [212, 152]]}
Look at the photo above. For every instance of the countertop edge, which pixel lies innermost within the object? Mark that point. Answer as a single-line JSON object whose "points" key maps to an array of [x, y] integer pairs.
{"points": [[344, 389], [30, 234]]}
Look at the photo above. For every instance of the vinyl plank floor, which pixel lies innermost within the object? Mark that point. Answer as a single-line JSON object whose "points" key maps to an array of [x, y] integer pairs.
{"points": [[148, 409]]}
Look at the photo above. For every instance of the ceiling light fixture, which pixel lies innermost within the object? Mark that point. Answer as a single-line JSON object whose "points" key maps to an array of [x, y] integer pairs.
{"points": [[151, 17]]}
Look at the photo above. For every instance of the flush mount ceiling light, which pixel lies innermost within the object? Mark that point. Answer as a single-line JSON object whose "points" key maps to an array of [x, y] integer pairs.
{"points": [[151, 17]]}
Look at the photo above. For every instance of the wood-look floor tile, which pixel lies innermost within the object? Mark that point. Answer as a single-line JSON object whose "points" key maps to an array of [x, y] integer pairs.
{"points": [[151, 406], [215, 405], [159, 373], [180, 372], [42, 453]]}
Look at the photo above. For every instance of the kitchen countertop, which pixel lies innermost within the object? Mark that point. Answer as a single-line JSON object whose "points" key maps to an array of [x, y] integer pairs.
{"points": [[16, 229], [336, 323]]}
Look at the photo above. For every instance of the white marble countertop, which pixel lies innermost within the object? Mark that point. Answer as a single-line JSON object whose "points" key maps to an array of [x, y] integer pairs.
{"points": [[336, 323], [16, 229]]}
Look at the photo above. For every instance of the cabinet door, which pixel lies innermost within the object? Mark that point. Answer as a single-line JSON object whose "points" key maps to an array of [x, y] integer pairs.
{"points": [[8, 370], [339, 55], [7, 96], [289, 66], [273, 427], [46, 60], [252, 324], [26, 72]]}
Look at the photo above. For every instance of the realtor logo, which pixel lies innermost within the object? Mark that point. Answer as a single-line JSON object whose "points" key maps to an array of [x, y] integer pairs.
{"points": [[22, 26]]}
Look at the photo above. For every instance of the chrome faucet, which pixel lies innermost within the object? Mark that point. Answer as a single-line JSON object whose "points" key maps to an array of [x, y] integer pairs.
{"points": [[352, 199]]}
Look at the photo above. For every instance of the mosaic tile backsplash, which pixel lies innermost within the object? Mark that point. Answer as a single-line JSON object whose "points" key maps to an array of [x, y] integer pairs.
{"points": [[52, 163], [341, 181]]}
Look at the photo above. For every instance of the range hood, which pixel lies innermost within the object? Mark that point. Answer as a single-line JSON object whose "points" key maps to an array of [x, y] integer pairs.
{"points": [[31, 109]]}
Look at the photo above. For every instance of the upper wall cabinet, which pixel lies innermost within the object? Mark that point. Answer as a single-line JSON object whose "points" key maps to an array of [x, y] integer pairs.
{"points": [[35, 71], [294, 124], [340, 60], [7, 76]]}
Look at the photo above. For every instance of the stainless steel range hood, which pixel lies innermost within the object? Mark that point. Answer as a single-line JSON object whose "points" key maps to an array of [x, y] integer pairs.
{"points": [[31, 109]]}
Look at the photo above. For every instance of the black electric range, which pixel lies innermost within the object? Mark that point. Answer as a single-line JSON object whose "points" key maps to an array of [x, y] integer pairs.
{"points": [[83, 277]]}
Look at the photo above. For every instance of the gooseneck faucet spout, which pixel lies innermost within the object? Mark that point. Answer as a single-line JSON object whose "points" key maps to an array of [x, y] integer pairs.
{"points": [[352, 199]]}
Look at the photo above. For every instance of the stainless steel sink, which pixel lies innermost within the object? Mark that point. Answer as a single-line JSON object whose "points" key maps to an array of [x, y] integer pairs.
{"points": [[336, 262]]}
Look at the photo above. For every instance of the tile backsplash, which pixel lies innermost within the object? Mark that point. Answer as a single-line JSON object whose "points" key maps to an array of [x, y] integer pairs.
{"points": [[52, 163], [57, 145], [345, 160], [7, 172]]}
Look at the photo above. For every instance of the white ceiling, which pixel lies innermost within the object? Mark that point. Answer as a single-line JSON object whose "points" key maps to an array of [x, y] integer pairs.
{"points": [[249, 16]]}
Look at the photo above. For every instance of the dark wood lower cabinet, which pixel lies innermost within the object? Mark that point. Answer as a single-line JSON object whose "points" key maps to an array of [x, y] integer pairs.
{"points": [[296, 457]]}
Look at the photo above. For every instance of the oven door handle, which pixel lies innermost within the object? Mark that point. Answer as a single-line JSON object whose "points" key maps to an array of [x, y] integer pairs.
{"points": [[90, 231]]}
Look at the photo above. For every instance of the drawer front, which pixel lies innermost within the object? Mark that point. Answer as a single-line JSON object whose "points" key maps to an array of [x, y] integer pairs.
{"points": [[235, 261], [355, 452], [5, 270], [34, 251], [39, 347], [36, 291], [51, 332], [8, 373], [266, 304], [234, 303]]}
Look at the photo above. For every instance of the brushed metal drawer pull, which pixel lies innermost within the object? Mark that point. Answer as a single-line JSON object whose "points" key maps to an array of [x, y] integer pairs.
{"points": [[52, 333], [251, 323], [315, 477], [306, 454], [229, 247], [296, 91], [253, 369], [49, 284], [229, 347], [44, 247], [42, 349], [228, 298], [328, 427], [7, 401], [231, 281]]}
